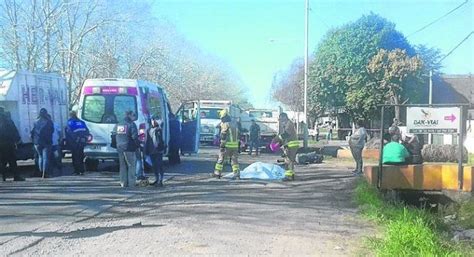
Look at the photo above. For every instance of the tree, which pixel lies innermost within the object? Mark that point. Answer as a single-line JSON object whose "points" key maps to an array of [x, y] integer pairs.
{"points": [[83, 39], [338, 75], [396, 76], [287, 86]]}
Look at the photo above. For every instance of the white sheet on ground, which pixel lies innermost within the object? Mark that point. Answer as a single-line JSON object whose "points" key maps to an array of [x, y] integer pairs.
{"points": [[260, 170]]}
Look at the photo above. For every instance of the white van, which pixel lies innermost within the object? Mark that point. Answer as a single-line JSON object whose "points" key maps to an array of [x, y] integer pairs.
{"points": [[103, 103]]}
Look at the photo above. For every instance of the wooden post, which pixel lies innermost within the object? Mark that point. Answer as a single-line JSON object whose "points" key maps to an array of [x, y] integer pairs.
{"points": [[461, 148], [379, 171]]}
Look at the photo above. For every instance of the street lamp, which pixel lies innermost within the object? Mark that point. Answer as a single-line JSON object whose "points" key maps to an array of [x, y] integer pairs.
{"points": [[306, 27]]}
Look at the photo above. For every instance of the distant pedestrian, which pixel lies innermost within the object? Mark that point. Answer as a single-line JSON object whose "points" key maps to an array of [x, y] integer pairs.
{"points": [[155, 147], [356, 144], [9, 138], [42, 135], [254, 137], [330, 128], [77, 134], [126, 134]]}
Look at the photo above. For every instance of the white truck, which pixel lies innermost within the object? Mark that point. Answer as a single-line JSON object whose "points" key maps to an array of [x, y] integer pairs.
{"points": [[208, 113], [23, 94], [267, 119]]}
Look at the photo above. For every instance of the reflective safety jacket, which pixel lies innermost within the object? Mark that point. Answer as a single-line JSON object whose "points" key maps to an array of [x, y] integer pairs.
{"points": [[230, 135], [288, 136]]}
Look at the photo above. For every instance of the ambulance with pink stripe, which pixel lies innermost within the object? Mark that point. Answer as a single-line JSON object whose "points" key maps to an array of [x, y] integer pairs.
{"points": [[103, 103]]}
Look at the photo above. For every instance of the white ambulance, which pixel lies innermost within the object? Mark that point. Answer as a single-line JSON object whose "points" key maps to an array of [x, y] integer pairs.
{"points": [[103, 103]]}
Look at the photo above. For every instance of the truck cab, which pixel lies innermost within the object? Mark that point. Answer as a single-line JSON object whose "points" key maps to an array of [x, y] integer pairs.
{"points": [[206, 112], [267, 119]]}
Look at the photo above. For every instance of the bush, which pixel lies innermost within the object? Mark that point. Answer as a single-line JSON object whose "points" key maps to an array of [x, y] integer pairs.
{"points": [[442, 153]]}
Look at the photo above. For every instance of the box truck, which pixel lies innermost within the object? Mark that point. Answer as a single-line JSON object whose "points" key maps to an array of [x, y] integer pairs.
{"points": [[23, 94]]}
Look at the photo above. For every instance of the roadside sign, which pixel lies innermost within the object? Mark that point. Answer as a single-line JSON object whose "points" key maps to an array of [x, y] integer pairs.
{"points": [[436, 120]]}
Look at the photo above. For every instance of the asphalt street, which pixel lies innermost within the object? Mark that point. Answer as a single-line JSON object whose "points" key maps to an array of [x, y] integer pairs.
{"points": [[192, 215]]}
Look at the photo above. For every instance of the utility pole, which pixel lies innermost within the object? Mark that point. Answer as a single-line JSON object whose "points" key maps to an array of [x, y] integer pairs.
{"points": [[430, 101], [306, 28]]}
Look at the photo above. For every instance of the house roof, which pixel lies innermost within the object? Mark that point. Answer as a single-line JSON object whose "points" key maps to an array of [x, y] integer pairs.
{"points": [[463, 84], [453, 89]]}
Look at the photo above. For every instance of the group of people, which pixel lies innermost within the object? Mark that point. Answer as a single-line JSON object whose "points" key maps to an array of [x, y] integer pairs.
{"points": [[47, 140], [317, 129], [403, 148], [229, 144], [129, 149]]}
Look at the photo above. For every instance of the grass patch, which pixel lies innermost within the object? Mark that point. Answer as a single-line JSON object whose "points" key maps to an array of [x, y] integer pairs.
{"points": [[408, 231], [466, 214], [471, 159]]}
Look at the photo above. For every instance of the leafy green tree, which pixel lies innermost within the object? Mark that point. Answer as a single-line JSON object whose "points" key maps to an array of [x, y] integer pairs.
{"points": [[339, 76], [395, 76]]}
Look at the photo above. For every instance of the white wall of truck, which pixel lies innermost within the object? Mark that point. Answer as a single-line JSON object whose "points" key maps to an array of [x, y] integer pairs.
{"points": [[24, 93]]}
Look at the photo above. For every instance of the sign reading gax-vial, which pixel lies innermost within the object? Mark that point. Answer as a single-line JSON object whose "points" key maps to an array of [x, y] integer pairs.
{"points": [[441, 120]]}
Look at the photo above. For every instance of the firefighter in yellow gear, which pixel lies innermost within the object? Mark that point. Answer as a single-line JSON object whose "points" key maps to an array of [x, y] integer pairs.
{"points": [[288, 139], [229, 145]]}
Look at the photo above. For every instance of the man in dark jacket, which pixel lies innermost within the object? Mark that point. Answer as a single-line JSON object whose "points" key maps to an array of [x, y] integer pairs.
{"points": [[154, 147], [127, 144], [42, 135], [77, 134], [9, 138]]}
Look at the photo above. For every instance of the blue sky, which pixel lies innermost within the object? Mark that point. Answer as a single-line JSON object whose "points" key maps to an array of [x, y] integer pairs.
{"points": [[260, 37]]}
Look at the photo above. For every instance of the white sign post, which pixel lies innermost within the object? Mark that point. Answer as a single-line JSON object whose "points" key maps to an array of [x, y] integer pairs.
{"points": [[436, 120]]}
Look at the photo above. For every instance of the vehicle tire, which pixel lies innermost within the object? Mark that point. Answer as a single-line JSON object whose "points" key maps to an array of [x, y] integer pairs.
{"points": [[92, 164]]}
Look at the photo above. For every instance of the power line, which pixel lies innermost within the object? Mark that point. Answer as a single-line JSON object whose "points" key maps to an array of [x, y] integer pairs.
{"points": [[460, 43], [438, 19]]}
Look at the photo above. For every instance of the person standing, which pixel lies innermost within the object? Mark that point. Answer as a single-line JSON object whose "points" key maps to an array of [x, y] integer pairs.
{"points": [[330, 128], [356, 144], [126, 133], [154, 147], [77, 134], [289, 140], [42, 135], [9, 138], [254, 137], [229, 144], [316, 127]]}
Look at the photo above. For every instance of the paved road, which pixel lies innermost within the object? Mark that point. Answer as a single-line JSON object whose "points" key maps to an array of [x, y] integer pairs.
{"points": [[192, 215]]}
